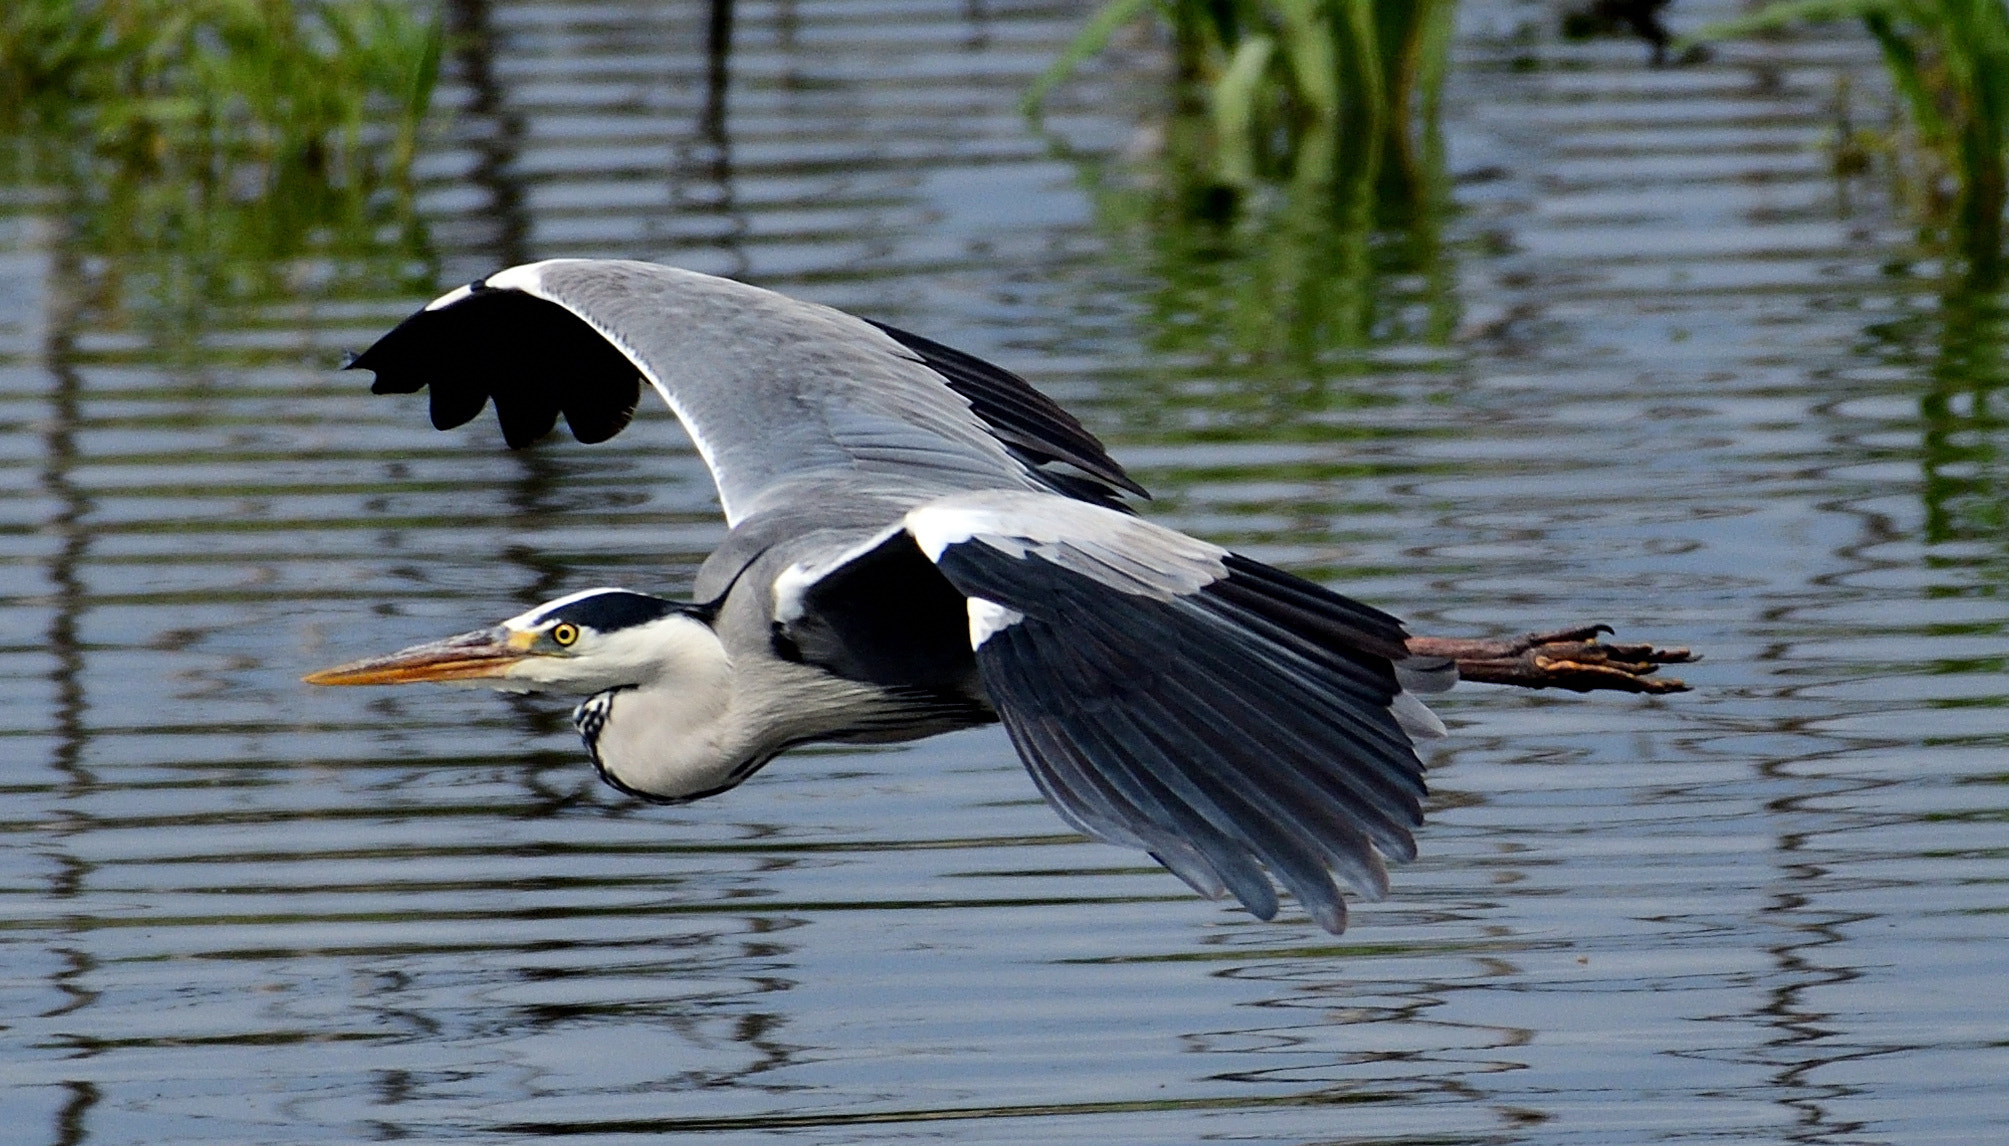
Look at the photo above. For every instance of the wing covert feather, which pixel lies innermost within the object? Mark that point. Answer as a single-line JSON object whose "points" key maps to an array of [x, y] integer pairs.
{"points": [[770, 389]]}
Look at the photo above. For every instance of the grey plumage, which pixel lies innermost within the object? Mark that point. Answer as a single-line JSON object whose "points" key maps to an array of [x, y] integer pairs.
{"points": [[920, 541]]}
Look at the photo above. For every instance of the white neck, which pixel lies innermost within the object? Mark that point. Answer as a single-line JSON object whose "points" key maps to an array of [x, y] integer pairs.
{"points": [[659, 720], [670, 740], [707, 727]]}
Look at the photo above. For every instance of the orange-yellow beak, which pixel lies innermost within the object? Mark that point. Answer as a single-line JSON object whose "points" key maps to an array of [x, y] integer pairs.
{"points": [[482, 654]]}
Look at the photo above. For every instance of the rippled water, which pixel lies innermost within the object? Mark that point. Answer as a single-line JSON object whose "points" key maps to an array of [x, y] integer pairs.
{"points": [[1661, 370]]}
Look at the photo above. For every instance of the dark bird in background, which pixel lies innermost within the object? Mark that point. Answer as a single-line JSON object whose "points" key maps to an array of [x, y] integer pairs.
{"points": [[1641, 18], [920, 542]]}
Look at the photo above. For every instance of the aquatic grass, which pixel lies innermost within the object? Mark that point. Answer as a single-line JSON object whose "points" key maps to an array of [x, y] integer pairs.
{"points": [[1949, 63], [337, 86], [1283, 309], [209, 153], [1298, 90], [1961, 350], [1289, 226]]}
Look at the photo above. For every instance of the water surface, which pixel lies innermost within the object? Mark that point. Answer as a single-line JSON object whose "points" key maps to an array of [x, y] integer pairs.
{"points": [[1656, 368]]}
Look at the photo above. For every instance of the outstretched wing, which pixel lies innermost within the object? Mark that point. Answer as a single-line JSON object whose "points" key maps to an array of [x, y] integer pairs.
{"points": [[771, 390], [1170, 695]]}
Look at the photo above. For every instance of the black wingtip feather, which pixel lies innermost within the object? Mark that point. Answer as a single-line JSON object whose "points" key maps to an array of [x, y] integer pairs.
{"points": [[533, 359]]}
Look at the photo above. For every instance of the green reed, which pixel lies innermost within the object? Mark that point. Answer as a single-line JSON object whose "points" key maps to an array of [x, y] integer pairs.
{"points": [[215, 152], [1288, 226], [334, 86], [1297, 90], [1949, 63]]}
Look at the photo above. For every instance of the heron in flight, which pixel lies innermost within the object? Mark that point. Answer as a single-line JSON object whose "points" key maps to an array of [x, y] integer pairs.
{"points": [[919, 542]]}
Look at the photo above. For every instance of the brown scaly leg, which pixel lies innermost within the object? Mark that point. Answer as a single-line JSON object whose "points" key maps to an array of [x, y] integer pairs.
{"points": [[1570, 658]]}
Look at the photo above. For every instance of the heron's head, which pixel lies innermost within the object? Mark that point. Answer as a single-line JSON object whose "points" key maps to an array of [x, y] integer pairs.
{"points": [[582, 644]]}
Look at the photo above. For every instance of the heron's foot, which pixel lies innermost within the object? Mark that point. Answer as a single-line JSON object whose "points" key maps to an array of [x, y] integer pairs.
{"points": [[1568, 658]]}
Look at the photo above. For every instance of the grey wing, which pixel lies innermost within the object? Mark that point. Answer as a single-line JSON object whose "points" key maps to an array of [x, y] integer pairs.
{"points": [[1171, 695], [774, 392], [1030, 424]]}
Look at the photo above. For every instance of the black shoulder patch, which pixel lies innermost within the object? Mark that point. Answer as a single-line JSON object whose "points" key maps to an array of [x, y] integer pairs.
{"points": [[534, 359], [887, 617], [1032, 425]]}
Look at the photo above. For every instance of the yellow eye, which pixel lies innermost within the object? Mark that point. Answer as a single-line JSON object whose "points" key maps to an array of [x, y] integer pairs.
{"points": [[565, 633]]}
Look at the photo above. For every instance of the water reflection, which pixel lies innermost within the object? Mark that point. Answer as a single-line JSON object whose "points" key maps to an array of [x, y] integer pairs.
{"points": [[422, 916], [70, 876], [1953, 343], [494, 132], [1293, 299], [63, 307], [1966, 471], [701, 170], [1804, 1042], [176, 262]]}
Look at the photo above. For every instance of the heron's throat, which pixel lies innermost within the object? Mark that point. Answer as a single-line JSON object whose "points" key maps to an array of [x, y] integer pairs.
{"points": [[670, 739]]}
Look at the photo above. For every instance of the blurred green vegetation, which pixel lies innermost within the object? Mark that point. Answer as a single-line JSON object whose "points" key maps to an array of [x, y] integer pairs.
{"points": [[1287, 223], [1961, 349], [1956, 342], [220, 150], [184, 87], [1295, 291], [1300, 90], [1949, 63]]}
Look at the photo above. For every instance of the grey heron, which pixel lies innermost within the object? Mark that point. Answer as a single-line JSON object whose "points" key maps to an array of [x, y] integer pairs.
{"points": [[919, 541]]}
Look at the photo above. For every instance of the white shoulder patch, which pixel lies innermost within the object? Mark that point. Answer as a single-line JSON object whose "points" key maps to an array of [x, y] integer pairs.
{"points": [[526, 277], [988, 619], [795, 580], [1122, 552], [789, 587], [937, 526]]}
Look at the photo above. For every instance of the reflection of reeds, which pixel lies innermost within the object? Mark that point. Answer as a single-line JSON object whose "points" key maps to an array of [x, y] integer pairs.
{"points": [[1299, 90], [1949, 61], [1964, 454], [1284, 316], [1284, 310], [1288, 225]]}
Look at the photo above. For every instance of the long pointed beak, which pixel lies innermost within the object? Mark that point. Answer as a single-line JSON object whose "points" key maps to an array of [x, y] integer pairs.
{"points": [[470, 656]]}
